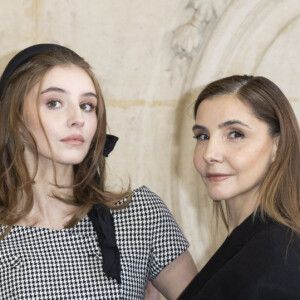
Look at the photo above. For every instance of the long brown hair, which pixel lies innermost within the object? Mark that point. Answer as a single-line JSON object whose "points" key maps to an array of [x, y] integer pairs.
{"points": [[15, 181], [279, 196]]}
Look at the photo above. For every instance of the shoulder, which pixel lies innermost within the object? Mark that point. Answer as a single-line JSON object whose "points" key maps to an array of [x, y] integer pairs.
{"points": [[270, 252], [275, 253], [284, 244], [278, 236], [282, 263], [145, 202], [148, 215], [146, 198], [143, 194], [269, 260], [274, 241]]}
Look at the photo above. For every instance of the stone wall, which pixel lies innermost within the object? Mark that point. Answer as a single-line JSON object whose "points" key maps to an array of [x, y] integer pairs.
{"points": [[152, 58]]}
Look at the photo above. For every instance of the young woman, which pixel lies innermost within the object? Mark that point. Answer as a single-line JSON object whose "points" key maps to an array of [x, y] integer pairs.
{"points": [[63, 235], [248, 155]]}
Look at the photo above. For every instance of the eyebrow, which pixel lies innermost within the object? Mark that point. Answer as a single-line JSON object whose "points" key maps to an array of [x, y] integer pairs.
{"points": [[233, 122], [53, 89], [199, 127], [60, 90], [222, 125]]}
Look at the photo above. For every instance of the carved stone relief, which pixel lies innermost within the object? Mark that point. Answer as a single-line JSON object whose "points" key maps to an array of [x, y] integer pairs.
{"points": [[188, 39]]}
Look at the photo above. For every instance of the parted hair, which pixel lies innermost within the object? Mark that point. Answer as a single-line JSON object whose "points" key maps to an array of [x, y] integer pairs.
{"points": [[16, 194], [279, 195]]}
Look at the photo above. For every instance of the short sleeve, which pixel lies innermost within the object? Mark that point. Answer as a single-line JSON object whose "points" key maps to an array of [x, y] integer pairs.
{"points": [[167, 240]]}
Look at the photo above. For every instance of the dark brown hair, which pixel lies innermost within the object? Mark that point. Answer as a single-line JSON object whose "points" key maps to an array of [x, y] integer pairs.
{"points": [[279, 196], [15, 181]]}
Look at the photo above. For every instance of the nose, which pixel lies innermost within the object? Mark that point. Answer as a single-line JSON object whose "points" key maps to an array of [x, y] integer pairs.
{"points": [[214, 151], [75, 117]]}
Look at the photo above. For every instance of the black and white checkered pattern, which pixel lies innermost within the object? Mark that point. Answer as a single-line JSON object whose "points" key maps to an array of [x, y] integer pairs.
{"points": [[38, 263]]}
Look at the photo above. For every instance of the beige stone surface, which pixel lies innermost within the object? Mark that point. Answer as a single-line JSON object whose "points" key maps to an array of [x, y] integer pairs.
{"points": [[149, 86]]}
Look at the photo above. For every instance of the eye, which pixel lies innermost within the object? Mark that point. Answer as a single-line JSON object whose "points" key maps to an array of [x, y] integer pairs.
{"points": [[54, 104], [201, 137], [236, 134], [87, 106]]}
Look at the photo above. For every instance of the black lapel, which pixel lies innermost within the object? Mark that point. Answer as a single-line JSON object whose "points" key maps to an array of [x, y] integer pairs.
{"points": [[232, 245]]}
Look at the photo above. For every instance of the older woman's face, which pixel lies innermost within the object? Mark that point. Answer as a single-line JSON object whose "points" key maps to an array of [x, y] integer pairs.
{"points": [[234, 149], [67, 105]]}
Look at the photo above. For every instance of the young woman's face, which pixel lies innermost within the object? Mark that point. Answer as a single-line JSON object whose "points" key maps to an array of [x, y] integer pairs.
{"points": [[67, 105], [234, 149]]}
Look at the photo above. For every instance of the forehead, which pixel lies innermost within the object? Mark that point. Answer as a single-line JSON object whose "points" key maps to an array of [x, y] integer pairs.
{"points": [[222, 108], [69, 77]]}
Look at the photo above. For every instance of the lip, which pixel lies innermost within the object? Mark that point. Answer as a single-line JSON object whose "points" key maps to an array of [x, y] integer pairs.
{"points": [[74, 140], [217, 176]]}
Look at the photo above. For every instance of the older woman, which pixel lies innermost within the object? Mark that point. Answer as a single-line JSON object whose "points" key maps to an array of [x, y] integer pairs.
{"points": [[248, 155]]}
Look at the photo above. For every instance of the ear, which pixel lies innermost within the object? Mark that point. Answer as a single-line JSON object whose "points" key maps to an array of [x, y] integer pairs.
{"points": [[275, 147]]}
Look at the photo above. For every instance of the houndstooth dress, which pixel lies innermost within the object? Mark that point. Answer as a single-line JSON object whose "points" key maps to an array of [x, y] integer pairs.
{"points": [[38, 263]]}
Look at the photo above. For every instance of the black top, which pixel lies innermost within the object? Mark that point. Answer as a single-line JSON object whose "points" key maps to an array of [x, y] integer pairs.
{"points": [[259, 260]]}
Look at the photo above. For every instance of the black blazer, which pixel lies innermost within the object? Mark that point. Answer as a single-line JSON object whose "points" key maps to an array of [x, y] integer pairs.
{"points": [[259, 260]]}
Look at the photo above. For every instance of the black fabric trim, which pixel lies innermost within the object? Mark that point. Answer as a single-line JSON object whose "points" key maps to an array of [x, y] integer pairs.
{"points": [[103, 224]]}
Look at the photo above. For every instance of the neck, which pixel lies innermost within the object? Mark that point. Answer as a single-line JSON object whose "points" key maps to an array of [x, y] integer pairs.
{"points": [[47, 211], [238, 210], [49, 181]]}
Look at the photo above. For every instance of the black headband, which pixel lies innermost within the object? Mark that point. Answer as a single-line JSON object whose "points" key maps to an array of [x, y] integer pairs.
{"points": [[22, 57]]}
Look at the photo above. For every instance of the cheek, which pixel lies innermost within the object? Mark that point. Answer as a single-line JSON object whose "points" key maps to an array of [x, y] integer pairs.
{"points": [[241, 162], [48, 124], [31, 120], [198, 160], [90, 127], [93, 126], [254, 161], [52, 129]]}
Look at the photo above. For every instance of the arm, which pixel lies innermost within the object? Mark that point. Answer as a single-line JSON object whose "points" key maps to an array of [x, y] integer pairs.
{"points": [[174, 278], [151, 292], [171, 267]]}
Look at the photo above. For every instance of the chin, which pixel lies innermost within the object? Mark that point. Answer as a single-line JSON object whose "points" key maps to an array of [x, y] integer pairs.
{"points": [[217, 199], [70, 160], [217, 196]]}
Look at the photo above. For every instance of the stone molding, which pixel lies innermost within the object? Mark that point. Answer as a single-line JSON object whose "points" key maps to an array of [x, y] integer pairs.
{"points": [[188, 39]]}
